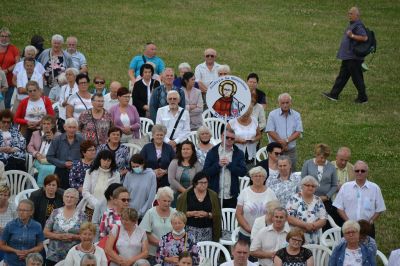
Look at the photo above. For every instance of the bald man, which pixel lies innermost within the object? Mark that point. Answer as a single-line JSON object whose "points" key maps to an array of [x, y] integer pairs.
{"points": [[344, 169], [351, 63], [111, 98]]}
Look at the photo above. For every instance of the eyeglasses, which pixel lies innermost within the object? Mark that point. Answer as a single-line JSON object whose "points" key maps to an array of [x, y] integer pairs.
{"points": [[230, 138], [360, 171], [4, 36], [277, 153], [91, 150], [297, 240], [126, 96], [125, 200], [172, 99], [30, 91], [83, 83], [210, 55], [99, 82], [308, 185], [350, 232]]}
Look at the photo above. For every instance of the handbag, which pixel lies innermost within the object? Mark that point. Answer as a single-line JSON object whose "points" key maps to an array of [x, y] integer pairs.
{"points": [[102, 244]]}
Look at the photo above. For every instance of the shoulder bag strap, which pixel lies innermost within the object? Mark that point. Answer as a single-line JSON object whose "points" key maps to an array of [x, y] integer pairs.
{"points": [[95, 127], [77, 94], [176, 124]]}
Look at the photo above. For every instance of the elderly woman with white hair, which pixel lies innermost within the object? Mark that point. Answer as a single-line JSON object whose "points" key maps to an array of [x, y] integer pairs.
{"points": [[34, 259], [55, 62], [66, 91], [352, 251], [307, 211], [204, 145], [157, 220], [64, 149], [62, 227], [251, 201], [223, 70]]}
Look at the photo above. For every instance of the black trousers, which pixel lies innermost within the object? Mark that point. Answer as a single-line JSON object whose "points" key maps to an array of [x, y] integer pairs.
{"points": [[229, 203], [350, 68]]}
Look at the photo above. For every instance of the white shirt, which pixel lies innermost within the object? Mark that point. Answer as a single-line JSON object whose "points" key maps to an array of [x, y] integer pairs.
{"points": [[360, 202], [65, 92], [108, 102], [22, 79], [166, 118], [268, 239], [352, 257], [20, 66], [203, 74], [394, 259], [248, 132], [253, 204], [35, 110], [79, 105]]}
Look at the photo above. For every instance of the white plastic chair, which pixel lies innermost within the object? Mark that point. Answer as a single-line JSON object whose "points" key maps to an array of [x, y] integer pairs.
{"points": [[382, 257], [229, 224], [244, 181], [82, 205], [29, 164], [19, 181], [320, 253], [206, 114], [235, 235], [212, 250], [332, 222], [145, 126], [133, 148], [331, 237], [215, 125], [261, 154], [193, 138], [25, 194]]}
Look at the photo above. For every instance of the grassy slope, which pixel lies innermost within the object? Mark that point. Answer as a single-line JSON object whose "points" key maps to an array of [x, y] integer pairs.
{"points": [[291, 44]]}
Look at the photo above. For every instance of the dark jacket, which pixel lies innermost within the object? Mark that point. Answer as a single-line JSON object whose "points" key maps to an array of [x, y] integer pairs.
{"points": [[213, 169], [337, 257], [139, 95], [150, 157], [40, 201]]}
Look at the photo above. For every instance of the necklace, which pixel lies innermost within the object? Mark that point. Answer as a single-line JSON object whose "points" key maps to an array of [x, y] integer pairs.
{"points": [[90, 250]]}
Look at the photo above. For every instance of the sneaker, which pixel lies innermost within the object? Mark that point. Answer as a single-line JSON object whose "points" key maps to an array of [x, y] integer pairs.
{"points": [[329, 96], [357, 100]]}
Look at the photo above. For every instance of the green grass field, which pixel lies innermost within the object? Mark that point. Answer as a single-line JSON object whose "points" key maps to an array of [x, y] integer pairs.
{"points": [[291, 44]]}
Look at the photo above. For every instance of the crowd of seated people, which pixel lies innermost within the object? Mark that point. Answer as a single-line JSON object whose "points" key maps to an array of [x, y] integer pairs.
{"points": [[93, 188]]}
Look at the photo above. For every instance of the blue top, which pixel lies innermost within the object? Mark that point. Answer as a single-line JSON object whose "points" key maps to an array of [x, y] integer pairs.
{"points": [[22, 237], [61, 151], [346, 46], [283, 125], [337, 257], [137, 62]]}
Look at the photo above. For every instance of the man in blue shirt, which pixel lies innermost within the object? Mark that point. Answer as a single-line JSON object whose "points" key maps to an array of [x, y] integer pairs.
{"points": [[284, 126], [351, 63], [149, 55]]}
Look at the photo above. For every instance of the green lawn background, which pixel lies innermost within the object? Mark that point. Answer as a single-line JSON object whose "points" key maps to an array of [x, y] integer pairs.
{"points": [[291, 44]]}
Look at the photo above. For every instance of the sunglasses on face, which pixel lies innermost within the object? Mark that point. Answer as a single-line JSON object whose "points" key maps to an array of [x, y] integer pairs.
{"points": [[125, 200], [210, 55], [360, 171], [99, 82]]}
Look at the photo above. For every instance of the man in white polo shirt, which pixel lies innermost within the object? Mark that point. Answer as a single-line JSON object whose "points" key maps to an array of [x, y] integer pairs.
{"points": [[360, 199], [240, 254], [271, 238]]}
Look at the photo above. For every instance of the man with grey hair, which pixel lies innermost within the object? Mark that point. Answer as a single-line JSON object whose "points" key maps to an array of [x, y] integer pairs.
{"points": [[271, 238], [158, 97], [360, 199], [78, 59], [111, 98], [206, 72], [34, 259], [175, 118], [351, 63], [64, 149], [224, 164], [284, 126], [149, 55]]}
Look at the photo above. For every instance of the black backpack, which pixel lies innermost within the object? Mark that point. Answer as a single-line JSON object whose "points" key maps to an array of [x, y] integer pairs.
{"points": [[363, 49]]}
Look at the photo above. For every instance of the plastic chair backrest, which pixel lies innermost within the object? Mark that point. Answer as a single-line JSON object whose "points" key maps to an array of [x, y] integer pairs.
{"points": [[212, 250]]}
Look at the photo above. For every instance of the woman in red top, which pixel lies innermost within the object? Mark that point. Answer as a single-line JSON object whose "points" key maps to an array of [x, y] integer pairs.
{"points": [[32, 109], [9, 56]]}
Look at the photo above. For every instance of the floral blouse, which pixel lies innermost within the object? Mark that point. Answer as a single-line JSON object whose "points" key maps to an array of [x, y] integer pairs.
{"points": [[170, 247], [57, 223], [95, 129], [308, 213], [284, 189], [121, 155], [77, 174], [12, 138]]}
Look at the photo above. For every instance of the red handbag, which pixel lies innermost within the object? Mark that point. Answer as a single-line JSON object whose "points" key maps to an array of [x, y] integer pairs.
{"points": [[102, 244]]}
